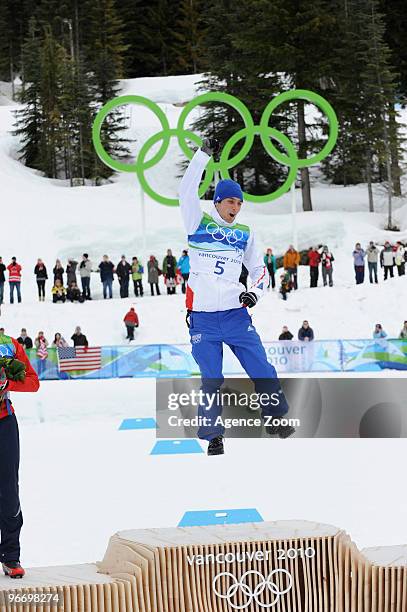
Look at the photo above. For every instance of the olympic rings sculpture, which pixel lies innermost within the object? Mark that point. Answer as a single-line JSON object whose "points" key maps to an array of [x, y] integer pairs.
{"points": [[225, 163], [252, 594]]}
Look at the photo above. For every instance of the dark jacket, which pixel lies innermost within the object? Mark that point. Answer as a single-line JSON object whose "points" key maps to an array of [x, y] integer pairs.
{"points": [[58, 273], [79, 340], [305, 333], [153, 271], [26, 342], [106, 270], [40, 272], [123, 270], [286, 336], [169, 266], [2, 273], [74, 294], [71, 272]]}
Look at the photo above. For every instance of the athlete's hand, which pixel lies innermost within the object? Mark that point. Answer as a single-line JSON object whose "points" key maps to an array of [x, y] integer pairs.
{"points": [[211, 146], [248, 298]]}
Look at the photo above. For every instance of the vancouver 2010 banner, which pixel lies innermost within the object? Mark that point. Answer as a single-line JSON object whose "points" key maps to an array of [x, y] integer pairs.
{"points": [[172, 360]]}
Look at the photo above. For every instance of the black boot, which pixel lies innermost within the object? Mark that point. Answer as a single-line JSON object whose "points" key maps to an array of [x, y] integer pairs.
{"points": [[282, 431], [216, 446]]}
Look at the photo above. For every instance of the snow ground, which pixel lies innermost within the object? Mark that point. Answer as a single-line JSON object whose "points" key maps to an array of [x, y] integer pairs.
{"points": [[82, 479]]}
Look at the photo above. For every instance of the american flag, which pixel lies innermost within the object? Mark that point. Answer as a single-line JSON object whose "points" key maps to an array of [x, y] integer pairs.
{"points": [[79, 358]]}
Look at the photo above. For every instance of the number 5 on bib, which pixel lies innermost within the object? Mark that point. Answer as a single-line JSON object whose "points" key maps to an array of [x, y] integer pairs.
{"points": [[219, 267]]}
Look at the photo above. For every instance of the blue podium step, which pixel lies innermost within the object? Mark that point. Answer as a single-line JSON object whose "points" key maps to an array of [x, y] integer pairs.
{"points": [[176, 447], [196, 518], [139, 423]]}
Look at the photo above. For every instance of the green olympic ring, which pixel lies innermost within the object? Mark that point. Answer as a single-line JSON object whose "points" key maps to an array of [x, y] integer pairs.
{"points": [[266, 133]]}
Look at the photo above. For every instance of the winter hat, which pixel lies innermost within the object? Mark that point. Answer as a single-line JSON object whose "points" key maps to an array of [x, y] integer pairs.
{"points": [[226, 188]]}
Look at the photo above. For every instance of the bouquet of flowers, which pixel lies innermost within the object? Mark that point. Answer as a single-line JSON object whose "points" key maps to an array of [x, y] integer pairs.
{"points": [[10, 369]]}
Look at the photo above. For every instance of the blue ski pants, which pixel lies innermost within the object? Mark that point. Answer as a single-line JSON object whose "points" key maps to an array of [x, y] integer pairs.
{"points": [[208, 331]]}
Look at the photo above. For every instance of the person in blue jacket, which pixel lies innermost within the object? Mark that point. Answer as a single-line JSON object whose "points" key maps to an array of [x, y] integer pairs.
{"points": [[184, 267], [379, 332], [270, 263]]}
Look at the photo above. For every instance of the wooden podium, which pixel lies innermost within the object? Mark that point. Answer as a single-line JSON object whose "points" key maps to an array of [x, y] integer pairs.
{"points": [[284, 566]]}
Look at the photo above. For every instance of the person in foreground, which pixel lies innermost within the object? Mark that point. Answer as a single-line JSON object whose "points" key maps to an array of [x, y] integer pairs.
{"points": [[217, 303], [16, 374]]}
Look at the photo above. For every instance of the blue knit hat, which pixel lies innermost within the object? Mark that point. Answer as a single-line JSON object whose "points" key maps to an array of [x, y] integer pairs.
{"points": [[226, 188]]}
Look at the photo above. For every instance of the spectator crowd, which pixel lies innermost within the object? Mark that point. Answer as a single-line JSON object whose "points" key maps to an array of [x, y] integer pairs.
{"points": [[306, 333], [175, 273], [72, 282], [65, 287], [390, 258]]}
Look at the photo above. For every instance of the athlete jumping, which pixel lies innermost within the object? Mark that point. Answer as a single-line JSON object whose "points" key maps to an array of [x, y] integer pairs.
{"points": [[217, 303], [16, 374]]}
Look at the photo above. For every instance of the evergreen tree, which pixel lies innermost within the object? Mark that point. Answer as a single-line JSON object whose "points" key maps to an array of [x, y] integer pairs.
{"points": [[258, 61], [164, 14], [29, 118], [395, 15], [363, 96], [103, 49], [52, 142], [5, 42], [305, 57], [241, 62], [141, 58], [395, 34], [347, 164], [190, 47], [377, 79]]}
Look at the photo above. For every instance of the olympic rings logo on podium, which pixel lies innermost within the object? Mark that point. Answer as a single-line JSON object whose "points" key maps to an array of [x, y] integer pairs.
{"points": [[226, 161], [249, 593]]}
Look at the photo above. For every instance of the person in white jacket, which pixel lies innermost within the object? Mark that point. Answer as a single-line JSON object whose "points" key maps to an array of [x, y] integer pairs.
{"points": [[387, 260], [216, 302], [400, 259]]}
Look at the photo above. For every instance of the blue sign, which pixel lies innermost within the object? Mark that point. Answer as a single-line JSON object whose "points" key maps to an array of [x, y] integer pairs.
{"points": [[196, 518], [145, 423], [176, 447]]}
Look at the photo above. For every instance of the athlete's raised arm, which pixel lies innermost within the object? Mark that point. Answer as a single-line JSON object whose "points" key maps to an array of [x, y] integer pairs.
{"points": [[188, 191]]}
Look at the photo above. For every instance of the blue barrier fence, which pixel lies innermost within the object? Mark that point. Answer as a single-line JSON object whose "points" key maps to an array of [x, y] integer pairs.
{"points": [[175, 360]]}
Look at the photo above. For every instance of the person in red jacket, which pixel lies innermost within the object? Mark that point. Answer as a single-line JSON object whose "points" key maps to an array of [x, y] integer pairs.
{"points": [[14, 279], [131, 321], [11, 518], [314, 258]]}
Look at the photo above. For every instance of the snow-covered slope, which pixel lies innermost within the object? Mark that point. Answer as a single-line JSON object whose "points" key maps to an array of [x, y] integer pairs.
{"points": [[48, 219]]}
